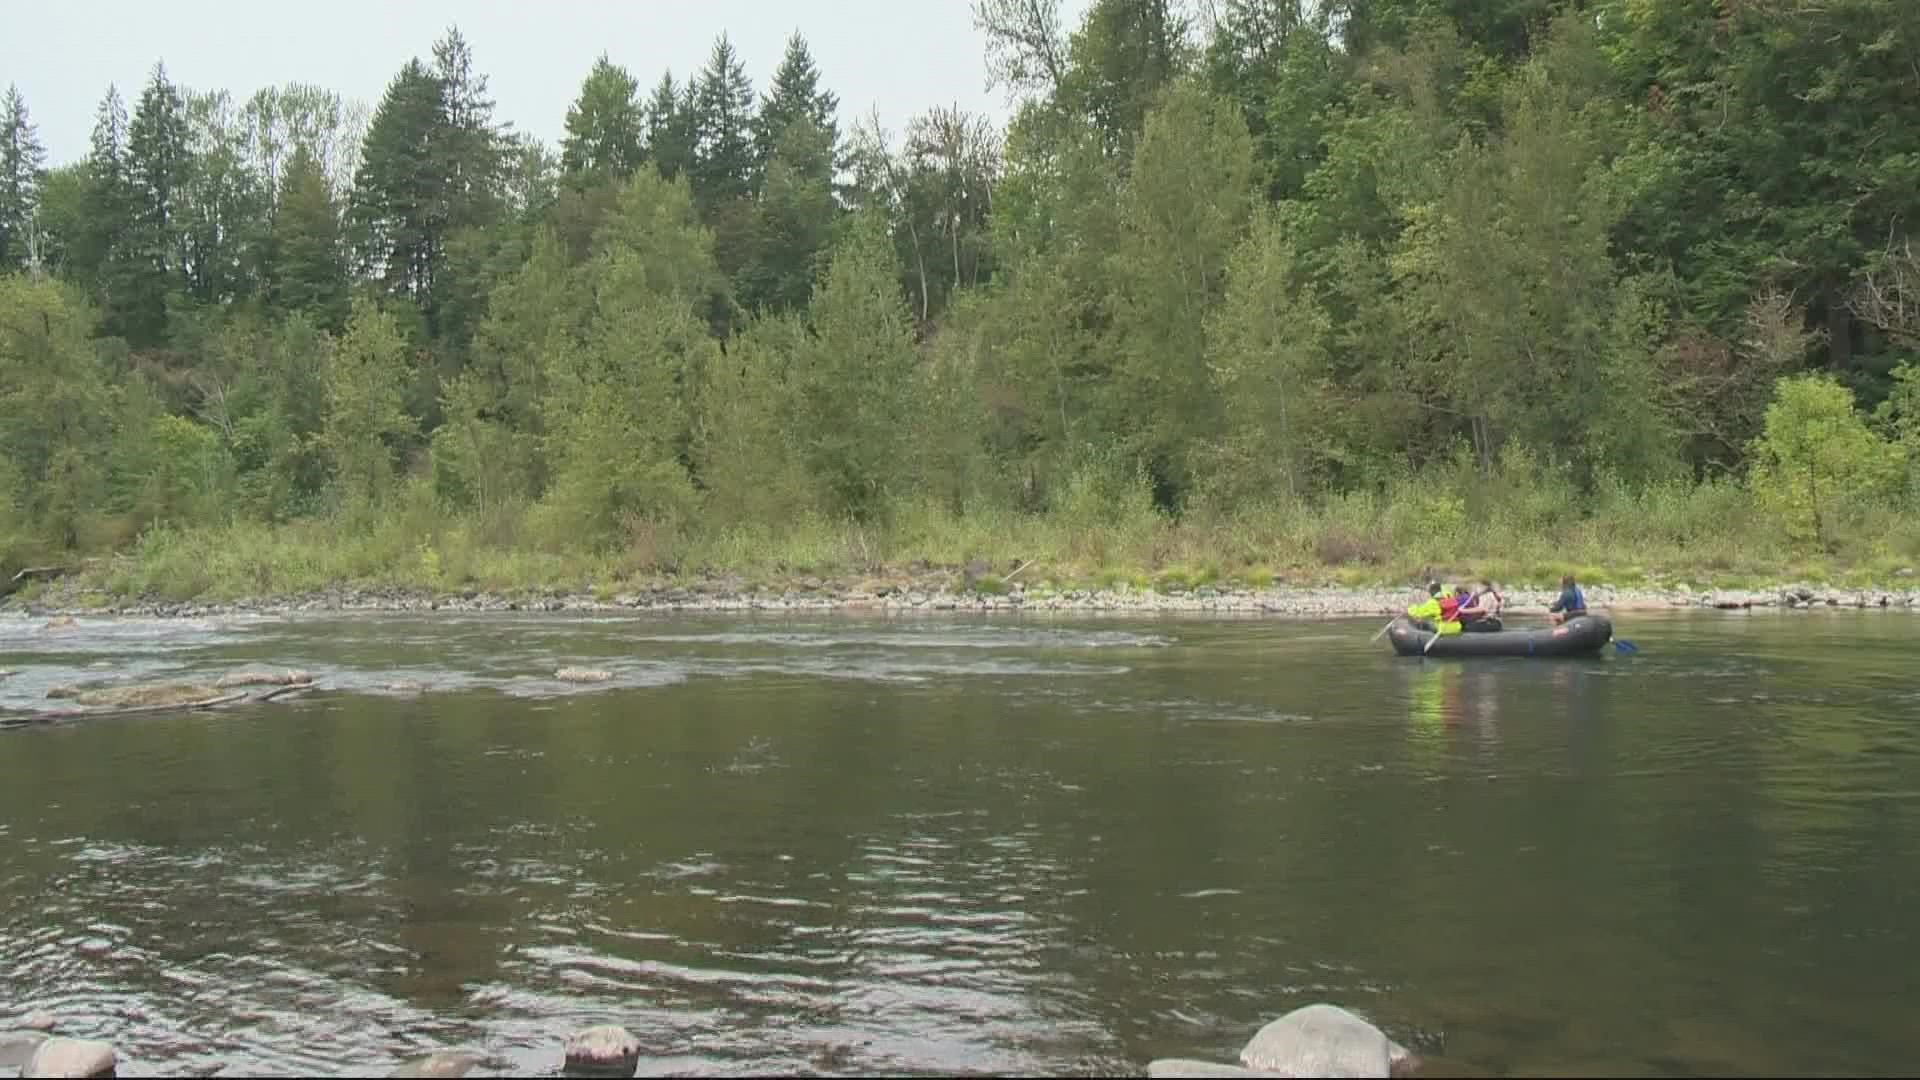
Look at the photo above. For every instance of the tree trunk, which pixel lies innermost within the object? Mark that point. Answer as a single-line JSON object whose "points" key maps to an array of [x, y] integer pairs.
{"points": [[1839, 334]]}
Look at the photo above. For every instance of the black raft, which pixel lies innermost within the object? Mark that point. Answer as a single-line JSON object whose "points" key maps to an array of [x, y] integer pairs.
{"points": [[1582, 635]]}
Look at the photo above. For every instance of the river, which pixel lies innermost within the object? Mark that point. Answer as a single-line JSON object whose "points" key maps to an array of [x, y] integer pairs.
{"points": [[855, 845]]}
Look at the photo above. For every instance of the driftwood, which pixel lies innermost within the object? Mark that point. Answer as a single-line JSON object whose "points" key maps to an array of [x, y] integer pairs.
{"points": [[264, 678], [31, 573], [56, 716]]}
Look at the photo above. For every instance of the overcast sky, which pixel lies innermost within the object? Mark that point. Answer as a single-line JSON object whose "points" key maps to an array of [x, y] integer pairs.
{"points": [[900, 56]]}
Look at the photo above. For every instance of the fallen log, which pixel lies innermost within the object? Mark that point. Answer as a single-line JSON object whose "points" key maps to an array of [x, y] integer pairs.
{"points": [[55, 716], [281, 691], [31, 573], [264, 678]]}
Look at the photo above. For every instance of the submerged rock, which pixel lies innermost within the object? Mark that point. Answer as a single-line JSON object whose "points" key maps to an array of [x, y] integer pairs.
{"points": [[143, 695], [1325, 1040], [264, 678], [70, 1057], [440, 1063], [608, 1050], [61, 622], [574, 674], [37, 1020]]}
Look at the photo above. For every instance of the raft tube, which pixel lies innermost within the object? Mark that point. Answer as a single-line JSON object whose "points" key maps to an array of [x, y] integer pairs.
{"points": [[1582, 635]]}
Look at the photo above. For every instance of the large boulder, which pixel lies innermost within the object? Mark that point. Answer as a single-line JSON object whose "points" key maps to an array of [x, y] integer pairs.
{"points": [[1325, 1040], [1182, 1067], [609, 1050], [17, 1046], [70, 1057]]}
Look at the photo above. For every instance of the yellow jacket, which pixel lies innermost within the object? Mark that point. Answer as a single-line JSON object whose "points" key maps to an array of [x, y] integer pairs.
{"points": [[1429, 609]]}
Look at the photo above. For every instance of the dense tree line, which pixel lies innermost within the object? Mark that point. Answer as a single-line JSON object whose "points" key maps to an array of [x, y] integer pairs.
{"points": [[1248, 253]]}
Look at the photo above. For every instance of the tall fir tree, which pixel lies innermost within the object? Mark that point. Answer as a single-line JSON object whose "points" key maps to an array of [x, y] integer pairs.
{"points": [[471, 147], [670, 134], [158, 164], [795, 94], [606, 125], [398, 214], [22, 168], [306, 269], [100, 255], [723, 165]]}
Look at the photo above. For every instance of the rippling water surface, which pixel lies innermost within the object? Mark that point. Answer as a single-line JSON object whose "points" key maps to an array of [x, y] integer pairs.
{"points": [[836, 845]]}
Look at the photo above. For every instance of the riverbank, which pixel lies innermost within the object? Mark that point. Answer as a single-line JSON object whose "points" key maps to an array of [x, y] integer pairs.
{"points": [[926, 591]]}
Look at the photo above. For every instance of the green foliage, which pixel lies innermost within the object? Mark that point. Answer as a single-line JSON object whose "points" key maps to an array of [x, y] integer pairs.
{"points": [[722, 168], [365, 380], [1323, 289], [854, 377], [1817, 457], [22, 169], [606, 124]]}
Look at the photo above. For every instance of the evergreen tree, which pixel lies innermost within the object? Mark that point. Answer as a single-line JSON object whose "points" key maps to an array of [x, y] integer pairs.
{"points": [[99, 251], [307, 271], [723, 159], [21, 172], [398, 212], [158, 166], [796, 94], [606, 125], [670, 134], [469, 146]]}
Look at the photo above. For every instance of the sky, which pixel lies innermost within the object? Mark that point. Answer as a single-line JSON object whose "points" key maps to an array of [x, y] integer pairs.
{"points": [[899, 57]]}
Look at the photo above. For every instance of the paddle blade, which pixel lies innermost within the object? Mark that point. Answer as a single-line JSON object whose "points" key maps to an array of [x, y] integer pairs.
{"points": [[1623, 646]]}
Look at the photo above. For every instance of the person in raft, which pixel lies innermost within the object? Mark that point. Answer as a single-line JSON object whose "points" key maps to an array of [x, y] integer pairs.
{"points": [[1482, 609], [1571, 603], [1440, 609]]}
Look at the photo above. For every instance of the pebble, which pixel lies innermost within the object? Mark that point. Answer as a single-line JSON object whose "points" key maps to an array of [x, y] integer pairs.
{"points": [[608, 1050]]}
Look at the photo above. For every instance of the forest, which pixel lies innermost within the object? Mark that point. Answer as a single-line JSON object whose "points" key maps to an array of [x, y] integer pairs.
{"points": [[1245, 290]]}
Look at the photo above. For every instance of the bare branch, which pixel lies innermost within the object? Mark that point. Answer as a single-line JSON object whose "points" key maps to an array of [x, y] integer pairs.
{"points": [[1026, 46]]}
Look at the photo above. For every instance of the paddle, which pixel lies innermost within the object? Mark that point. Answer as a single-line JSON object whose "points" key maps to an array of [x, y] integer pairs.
{"points": [[1384, 629]]}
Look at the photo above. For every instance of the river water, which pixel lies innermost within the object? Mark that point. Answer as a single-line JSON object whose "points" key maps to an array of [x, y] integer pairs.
{"points": [[843, 845]]}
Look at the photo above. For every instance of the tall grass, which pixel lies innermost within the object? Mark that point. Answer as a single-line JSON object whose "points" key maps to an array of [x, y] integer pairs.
{"points": [[1523, 524]]}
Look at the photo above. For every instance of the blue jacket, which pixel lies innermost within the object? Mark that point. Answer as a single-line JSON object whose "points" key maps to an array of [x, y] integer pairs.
{"points": [[1571, 601]]}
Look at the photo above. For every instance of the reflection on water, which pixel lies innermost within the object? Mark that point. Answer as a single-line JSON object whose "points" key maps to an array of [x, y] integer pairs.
{"points": [[825, 845]]}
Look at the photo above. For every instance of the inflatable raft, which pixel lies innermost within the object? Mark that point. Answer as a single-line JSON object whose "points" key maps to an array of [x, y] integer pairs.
{"points": [[1583, 635]]}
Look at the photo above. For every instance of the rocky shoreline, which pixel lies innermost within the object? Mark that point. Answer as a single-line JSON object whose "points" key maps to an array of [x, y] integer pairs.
{"points": [[938, 592]]}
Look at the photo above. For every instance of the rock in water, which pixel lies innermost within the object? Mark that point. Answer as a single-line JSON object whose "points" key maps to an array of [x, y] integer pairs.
{"points": [[603, 1051], [574, 674], [70, 1057], [1325, 1040], [1181, 1067], [440, 1063], [17, 1046], [38, 1020]]}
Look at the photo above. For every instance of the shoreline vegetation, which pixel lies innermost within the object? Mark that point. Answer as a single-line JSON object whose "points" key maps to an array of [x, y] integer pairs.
{"points": [[1275, 565], [1267, 310]]}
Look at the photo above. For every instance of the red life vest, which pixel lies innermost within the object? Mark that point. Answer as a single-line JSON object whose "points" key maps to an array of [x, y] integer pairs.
{"points": [[1449, 608]]}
